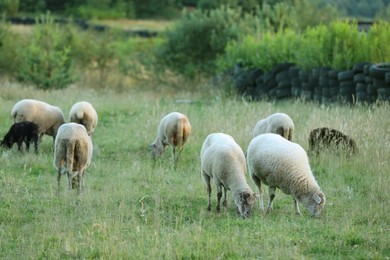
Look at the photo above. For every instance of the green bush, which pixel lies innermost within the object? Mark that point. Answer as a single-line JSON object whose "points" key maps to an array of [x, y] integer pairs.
{"points": [[9, 7], [339, 45], [349, 45], [378, 41], [198, 38], [263, 51], [9, 55], [46, 61], [313, 50]]}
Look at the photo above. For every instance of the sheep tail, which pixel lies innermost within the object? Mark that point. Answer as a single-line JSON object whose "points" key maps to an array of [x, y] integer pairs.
{"points": [[286, 132], [70, 147], [80, 114], [14, 114], [179, 135]]}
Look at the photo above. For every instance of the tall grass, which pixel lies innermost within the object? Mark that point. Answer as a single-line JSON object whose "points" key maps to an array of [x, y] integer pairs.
{"points": [[135, 208]]}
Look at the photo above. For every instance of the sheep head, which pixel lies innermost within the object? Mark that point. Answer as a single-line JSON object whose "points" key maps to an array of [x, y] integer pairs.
{"points": [[157, 149], [245, 201], [314, 203]]}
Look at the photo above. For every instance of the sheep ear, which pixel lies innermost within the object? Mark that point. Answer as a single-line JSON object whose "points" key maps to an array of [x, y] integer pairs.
{"points": [[317, 198], [250, 199]]}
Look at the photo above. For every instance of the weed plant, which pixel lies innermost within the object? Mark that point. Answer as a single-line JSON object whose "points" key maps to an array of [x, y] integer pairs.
{"points": [[135, 208]]}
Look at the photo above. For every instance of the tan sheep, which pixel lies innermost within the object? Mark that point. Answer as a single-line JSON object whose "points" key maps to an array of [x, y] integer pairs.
{"points": [[174, 130], [72, 153], [223, 161], [278, 123], [49, 118], [84, 113]]}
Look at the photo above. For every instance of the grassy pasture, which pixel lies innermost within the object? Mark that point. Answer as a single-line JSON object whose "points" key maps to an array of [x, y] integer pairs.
{"points": [[134, 208]]}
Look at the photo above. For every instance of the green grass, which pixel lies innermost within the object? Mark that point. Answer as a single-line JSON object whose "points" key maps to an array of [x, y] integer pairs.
{"points": [[134, 208]]}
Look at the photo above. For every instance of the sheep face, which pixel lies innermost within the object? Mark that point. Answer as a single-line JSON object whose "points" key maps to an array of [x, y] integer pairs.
{"points": [[314, 203], [244, 201], [7, 142], [157, 149]]}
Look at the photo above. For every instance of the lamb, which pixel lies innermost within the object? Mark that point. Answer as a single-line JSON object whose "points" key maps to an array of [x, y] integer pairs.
{"points": [[282, 164], [174, 130], [22, 132], [84, 113], [73, 147], [47, 117], [278, 123], [223, 160], [325, 137]]}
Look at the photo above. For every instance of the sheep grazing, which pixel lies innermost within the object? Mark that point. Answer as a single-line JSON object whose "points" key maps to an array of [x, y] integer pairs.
{"points": [[325, 137], [278, 123], [83, 113], [223, 160], [279, 163], [22, 132], [174, 130], [47, 117], [72, 147]]}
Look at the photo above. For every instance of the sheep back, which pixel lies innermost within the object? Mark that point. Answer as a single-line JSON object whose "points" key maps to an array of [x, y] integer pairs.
{"points": [[49, 118], [84, 113], [278, 123], [72, 145], [280, 163]]}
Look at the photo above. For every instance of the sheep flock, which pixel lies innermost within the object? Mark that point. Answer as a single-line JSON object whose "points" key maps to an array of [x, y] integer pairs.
{"points": [[272, 158]]}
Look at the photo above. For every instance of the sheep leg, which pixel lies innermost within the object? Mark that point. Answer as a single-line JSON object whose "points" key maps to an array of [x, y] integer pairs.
{"points": [[80, 181], [36, 146], [27, 146], [59, 176], [206, 179], [20, 143], [297, 211], [257, 181], [271, 198], [173, 154], [224, 202], [219, 196]]}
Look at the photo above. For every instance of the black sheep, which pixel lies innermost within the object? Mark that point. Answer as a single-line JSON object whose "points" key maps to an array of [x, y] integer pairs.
{"points": [[325, 137], [21, 132]]}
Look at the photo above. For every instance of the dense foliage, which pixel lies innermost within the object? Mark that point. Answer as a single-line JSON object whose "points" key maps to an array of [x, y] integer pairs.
{"points": [[339, 46], [169, 8], [195, 42]]}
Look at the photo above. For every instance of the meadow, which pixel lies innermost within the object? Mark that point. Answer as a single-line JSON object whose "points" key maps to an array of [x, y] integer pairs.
{"points": [[135, 208]]}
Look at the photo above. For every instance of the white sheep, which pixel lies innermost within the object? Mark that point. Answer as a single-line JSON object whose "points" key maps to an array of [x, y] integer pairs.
{"points": [[278, 123], [84, 113], [72, 147], [223, 160], [282, 164], [49, 118], [174, 130]]}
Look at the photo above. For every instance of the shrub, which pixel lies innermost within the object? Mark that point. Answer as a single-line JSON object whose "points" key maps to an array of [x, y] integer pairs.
{"points": [[378, 41], [349, 45], [263, 51], [46, 61], [9, 7], [313, 49], [198, 38], [9, 55]]}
